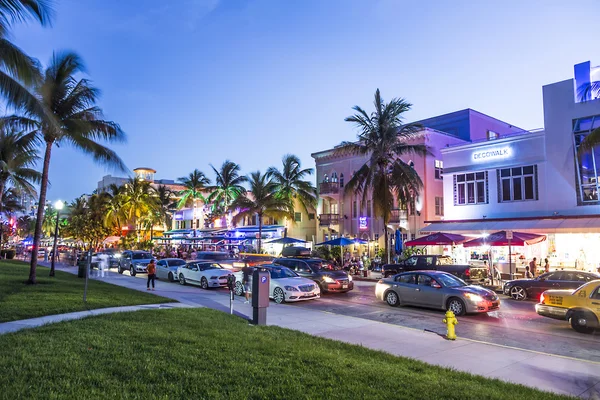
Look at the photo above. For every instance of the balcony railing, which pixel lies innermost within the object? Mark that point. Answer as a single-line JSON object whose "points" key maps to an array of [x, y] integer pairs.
{"points": [[329, 219], [329, 188], [398, 216]]}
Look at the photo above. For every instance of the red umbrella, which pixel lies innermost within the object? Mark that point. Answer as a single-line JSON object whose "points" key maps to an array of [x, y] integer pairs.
{"points": [[500, 239], [437, 239]]}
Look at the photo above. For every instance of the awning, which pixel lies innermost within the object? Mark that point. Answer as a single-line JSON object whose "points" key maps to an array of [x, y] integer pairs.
{"points": [[530, 225], [501, 239], [437, 239]]}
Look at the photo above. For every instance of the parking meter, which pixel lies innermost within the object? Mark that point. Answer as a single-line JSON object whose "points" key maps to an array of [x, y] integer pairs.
{"points": [[260, 296]]}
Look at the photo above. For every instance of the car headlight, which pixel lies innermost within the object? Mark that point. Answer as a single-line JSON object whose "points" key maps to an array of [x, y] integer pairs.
{"points": [[290, 289], [473, 297], [117, 256], [349, 278], [328, 279]]}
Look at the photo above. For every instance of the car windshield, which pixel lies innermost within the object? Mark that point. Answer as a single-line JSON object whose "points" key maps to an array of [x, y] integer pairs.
{"points": [[141, 256], [281, 272], [176, 263], [212, 266], [448, 280], [320, 266]]}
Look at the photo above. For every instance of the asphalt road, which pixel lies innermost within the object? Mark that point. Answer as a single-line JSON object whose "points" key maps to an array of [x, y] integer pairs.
{"points": [[516, 324]]}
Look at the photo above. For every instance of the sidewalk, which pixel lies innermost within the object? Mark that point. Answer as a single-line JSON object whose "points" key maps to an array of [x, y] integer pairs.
{"points": [[543, 371]]}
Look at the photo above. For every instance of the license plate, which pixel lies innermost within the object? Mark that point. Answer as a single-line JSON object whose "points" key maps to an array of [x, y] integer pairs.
{"points": [[344, 286]]}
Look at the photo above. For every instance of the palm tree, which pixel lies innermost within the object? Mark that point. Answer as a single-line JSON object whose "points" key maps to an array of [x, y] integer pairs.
{"points": [[261, 201], [384, 139], [228, 185], [139, 201], [49, 221], [194, 184], [18, 155], [290, 183], [17, 70], [115, 207], [165, 199], [74, 120], [24, 225]]}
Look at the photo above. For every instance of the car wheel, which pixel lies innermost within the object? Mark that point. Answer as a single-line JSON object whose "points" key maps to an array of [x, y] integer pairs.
{"points": [[171, 279], [580, 322], [120, 270], [181, 279], [518, 293], [203, 283], [132, 271], [278, 296], [321, 287], [392, 299], [239, 289], [457, 306]]}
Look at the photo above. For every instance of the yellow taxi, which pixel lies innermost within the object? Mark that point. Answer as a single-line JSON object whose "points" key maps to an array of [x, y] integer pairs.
{"points": [[580, 306]]}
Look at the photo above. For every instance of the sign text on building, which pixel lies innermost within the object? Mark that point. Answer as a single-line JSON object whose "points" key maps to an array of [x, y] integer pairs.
{"points": [[363, 224], [492, 154]]}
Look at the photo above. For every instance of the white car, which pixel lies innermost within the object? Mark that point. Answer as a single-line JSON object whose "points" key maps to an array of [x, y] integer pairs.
{"points": [[167, 268], [285, 285], [205, 274]]}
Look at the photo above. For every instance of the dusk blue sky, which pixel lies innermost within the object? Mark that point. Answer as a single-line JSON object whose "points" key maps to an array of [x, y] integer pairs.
{"points": [[194, 82]]}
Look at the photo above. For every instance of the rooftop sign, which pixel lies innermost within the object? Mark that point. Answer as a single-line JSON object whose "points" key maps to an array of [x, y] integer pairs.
{"points": [[492, 154]]}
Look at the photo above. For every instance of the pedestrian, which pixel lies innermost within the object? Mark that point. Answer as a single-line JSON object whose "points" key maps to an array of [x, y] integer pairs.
{"points": [[528, 273], [533, 266], [546, 265], [247, 274], [151, 269]]}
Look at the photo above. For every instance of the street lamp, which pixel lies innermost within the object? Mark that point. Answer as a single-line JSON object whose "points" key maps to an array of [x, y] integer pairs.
{"points": [[58, 206]]}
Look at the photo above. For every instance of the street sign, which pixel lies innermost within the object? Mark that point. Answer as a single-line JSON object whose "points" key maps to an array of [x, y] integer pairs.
{"points": [[509, 235], [263, 279]]}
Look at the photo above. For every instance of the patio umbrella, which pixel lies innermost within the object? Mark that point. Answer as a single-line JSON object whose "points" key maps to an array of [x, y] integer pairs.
{"points": [[342, 241], [502, 238], [436, 239], [398, 242], [286, 240]]}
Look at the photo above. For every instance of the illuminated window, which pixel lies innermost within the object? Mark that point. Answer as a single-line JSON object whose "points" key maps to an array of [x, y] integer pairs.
{"points": [[334, 208], [471, 188], [589, 162], [491, 135], [439, 169], [517, 184]]}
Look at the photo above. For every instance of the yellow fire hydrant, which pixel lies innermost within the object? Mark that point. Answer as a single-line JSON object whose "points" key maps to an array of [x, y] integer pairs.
{"points": [[450, 321]]}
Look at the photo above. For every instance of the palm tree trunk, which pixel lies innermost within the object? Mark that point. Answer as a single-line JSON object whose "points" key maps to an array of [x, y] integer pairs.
{"points": [[259, 233], [40, 214]]}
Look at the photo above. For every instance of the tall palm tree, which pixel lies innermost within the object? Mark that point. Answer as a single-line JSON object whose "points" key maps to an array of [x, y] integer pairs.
{"points": [[115, 207], [165, 199], [195, 183], [290, 183], [261, 201], [228, 185], [18, 155], [139, 201], [384, 139], [74, 120], [18, 72]]}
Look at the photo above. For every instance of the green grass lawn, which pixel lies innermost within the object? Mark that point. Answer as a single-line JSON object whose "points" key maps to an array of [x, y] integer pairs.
{"points": [[61, 294], [202, 353]]}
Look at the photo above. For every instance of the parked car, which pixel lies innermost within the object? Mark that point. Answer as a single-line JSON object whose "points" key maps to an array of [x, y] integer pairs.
{"points": [[323, 273], [436, 289], [203, 273], [135, 261], [581, 307], [112, 257], [521, 289], [468, 273], [167, 268], [221, 257], [284, 286]]}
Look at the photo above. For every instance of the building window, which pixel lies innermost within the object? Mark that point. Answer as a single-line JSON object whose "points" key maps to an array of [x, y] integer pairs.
{"points": [[439, 206], [411, 207], [334, 177], [354, 209], [518, 184], [377, 236], [369, 208], [588, 168], [311, 216], [342, 180], [471, 188], [439, 169], [491, 135], [334, 208], [297, 217]]}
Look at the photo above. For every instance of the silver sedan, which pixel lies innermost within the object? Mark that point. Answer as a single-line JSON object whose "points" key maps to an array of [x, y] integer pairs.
{"points": [[436, 289]]}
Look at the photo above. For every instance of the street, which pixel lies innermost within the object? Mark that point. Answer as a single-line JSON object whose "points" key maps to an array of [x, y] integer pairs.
{"points": [[516, 324]]}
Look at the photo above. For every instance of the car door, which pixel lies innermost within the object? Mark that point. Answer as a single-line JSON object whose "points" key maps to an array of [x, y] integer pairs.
{"points": [[125, 259], [405, 285], [426, 294], [161, 269], [594, 301], [573, 279], [547, 281], [192, 272]]}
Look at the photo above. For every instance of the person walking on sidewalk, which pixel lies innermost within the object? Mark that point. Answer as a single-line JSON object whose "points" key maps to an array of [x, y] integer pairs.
{"points": [[247, 274], [151, 274]]}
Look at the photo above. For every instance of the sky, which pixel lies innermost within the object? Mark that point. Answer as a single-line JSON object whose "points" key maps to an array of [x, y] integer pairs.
{"points": [[197, 82]]}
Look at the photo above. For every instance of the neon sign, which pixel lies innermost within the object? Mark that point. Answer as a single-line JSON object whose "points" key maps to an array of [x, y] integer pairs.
{"points": [[179, 216], [492, 154], [363, 223]]}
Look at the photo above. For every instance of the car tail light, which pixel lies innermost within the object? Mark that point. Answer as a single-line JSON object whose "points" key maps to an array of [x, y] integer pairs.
{"points": [[468, 272], [542, 298]]}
